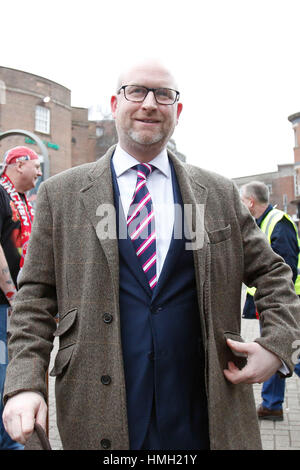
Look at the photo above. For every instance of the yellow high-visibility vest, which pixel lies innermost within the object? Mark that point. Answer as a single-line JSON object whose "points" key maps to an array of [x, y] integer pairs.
{"points": [[267, 227]]}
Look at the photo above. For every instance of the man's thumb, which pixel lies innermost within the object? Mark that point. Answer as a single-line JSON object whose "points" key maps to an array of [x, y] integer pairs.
{"points": [[238, 348]]}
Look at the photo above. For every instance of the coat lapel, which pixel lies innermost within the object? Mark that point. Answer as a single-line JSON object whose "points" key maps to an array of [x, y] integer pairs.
{"points": [[98, 200], [194, 196]]}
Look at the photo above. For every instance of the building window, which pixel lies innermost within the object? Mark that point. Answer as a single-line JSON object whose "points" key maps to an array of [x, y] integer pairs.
{"points": [[99, 131], [297, 182], [2, 92], [270, 188], [42, 119], [285, 202], [296, 137]]}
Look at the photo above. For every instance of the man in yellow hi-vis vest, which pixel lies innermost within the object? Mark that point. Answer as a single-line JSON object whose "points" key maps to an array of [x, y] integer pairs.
{"points": [[282, 234]]}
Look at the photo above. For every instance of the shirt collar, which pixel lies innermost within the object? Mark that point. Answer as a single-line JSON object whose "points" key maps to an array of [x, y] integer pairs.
{"points": [[123, 162], [261, 218]]}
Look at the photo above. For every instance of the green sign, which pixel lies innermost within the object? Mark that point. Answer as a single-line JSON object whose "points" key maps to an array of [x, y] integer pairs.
{"points": [[48, 144]]}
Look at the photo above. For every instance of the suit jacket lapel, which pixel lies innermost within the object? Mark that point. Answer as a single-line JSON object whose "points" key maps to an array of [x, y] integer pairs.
{"points": [[126, 247], [176, 245]]}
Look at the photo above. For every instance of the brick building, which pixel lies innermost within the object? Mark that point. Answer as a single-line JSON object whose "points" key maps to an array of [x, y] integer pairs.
{"points": [[41, 106], [284, 184], [38, 105], [90, 139], [295, 121]]}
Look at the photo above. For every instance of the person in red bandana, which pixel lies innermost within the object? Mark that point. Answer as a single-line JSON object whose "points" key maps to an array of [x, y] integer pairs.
{"points": [[21, 171]]}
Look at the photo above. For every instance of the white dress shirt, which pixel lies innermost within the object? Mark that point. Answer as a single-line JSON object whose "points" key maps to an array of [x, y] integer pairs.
{"points": [[159, 184]]}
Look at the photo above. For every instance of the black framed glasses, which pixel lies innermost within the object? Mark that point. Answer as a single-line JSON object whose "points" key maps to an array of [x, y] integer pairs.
{"points": [[137, 94]]}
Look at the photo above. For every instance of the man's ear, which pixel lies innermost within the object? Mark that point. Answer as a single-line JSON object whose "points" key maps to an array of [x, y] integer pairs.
{"points": [[114, 105], [179, 109], [19, 166]]}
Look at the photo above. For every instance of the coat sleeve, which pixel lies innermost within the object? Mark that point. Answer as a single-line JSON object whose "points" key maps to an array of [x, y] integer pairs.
{"points": [[275, 297], [33, 318]]}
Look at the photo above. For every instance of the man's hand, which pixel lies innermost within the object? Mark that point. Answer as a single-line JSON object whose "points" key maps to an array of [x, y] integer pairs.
{"points": [[21, 412], [261, 363]]}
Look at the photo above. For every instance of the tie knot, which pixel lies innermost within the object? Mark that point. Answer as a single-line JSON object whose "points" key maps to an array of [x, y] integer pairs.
{"points": [[143, 170]]}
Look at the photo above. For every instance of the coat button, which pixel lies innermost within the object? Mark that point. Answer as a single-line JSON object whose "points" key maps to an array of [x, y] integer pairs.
{"points": [[156, 309], [107, 318], [105, 443], [105, 379]]}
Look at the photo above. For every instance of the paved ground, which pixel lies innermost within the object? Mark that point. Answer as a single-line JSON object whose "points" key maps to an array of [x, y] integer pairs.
{"points": [[284, 435], [280, 435]]}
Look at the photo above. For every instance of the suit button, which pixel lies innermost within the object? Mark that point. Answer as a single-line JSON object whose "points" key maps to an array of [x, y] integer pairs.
{"points": [[107, 318], [105, 379], [105, 443], [156, 309]]}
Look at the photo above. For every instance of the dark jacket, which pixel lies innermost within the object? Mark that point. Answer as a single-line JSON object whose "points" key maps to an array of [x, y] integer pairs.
{"points": [[283, 242]]}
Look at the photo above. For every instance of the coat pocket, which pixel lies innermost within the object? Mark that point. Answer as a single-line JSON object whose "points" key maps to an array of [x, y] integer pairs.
{"points": [[219, 245], [66, 321], [240, 359], [66, 332], [220, 235], [62, 359]]}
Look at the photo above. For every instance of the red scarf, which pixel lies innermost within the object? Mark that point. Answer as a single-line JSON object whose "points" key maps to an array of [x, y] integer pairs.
{"points": [[25, 211]]}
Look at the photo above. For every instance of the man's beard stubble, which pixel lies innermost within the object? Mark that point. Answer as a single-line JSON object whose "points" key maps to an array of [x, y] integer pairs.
{"points": [[144, 139]]}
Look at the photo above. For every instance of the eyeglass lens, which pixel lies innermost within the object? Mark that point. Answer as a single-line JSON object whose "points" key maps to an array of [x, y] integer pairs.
{"points": [[139, 93]]}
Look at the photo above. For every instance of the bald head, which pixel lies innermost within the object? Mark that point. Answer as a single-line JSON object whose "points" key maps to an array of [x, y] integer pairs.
{"points": [[151, 66]]}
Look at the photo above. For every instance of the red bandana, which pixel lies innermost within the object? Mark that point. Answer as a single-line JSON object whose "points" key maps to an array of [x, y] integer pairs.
{"points": [[25, 211]]}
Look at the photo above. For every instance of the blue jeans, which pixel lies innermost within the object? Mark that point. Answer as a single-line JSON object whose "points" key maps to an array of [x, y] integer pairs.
{"points": [[6, 443], [273, 390]]}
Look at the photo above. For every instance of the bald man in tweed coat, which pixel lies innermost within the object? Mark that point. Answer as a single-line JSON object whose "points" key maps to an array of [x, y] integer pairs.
{"points": [[74, 270]]}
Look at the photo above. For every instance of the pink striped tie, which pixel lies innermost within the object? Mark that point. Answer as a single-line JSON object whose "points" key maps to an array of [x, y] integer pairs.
{"points": [[141, 224]]}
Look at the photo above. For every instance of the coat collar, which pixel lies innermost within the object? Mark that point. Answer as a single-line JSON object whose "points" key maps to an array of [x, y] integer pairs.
{"points": [[98, 200], [194, 196]]}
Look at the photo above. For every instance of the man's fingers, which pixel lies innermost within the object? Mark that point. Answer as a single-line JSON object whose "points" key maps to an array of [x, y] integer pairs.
{"points": [[232, 367], [19, 426], [236, 375], [233, 373], [27, 426], [261, 363], [20, 413], [14, 428], [41, 417]]}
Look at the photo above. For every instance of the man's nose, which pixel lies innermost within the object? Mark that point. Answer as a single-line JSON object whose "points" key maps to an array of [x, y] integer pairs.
{"points": [[150, 101]]}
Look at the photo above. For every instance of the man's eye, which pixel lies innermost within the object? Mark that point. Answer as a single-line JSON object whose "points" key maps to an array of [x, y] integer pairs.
{"points": [[162, 92], [165, 93], [136, 91]]}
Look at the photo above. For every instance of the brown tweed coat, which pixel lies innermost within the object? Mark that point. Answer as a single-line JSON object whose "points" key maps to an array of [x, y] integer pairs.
{"points": [[71, 272]]}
